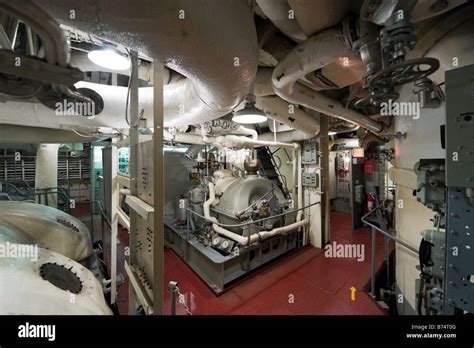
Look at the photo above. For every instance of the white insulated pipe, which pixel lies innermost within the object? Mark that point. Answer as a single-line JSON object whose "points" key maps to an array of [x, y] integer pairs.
{"points": [[217, 53], [260, 235], [185, 138], [278, 11], [15, 134], [247, 131], [227, 128], [283, 112], [286, 136], [300, 185], [207, 204], [311, 55], [236, 142], [46, 170]]}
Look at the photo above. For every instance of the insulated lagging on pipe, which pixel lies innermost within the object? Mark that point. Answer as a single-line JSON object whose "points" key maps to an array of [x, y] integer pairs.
{"points": [[311, 55], [260, 235], [214, 86], [253, 221]]}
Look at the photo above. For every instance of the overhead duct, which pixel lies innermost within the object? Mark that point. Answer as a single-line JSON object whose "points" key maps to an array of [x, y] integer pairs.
{"points": [[286, 136], [309, 56], [278, 11], [220, 65], [279, 110], [15, 134], [314, 16], [262, 86], [282, 111]]}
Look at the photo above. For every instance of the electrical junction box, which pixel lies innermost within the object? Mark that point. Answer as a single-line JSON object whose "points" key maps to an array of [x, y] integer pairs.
{"points": [[310, 153], [310, 179]]}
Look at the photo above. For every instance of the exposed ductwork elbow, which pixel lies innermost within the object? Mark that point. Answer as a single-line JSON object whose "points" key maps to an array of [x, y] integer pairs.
{"points": [[286, 136], [278, 11], [306, 125], [217, 53], [313, 54], [279, 110]]}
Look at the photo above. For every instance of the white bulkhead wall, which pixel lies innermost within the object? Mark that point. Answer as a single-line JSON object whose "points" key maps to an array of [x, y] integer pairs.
{"points": [[422, 141]]}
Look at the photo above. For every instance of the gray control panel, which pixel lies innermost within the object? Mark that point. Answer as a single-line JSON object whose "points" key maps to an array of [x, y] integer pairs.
{"points": [[310, 153], [310, 179]]}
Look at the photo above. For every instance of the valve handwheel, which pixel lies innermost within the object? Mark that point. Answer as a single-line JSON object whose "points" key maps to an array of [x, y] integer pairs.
{"points": [[375, 98], [404, 72]]}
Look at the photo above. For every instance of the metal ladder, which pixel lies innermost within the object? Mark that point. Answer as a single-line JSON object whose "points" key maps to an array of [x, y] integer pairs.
{"points": [[269, 168]]}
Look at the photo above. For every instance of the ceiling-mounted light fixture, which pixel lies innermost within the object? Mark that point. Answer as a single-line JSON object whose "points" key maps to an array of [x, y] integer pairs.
{"points": [[249, 114], [110, 58]]}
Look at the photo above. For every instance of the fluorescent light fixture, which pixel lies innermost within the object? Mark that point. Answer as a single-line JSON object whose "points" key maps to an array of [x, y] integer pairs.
{"points": [[109, 58], [249, 115], [332, 133]]}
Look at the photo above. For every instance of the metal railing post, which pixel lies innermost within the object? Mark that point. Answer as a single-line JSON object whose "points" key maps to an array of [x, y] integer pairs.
{"points": [[173, 289], [387, 237], [372, 280]]}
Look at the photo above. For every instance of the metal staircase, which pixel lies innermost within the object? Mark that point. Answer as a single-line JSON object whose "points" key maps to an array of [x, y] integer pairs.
{"points": [[269, 168]]}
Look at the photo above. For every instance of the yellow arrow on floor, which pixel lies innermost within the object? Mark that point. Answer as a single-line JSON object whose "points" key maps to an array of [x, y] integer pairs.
{"points": [[353, 293]]}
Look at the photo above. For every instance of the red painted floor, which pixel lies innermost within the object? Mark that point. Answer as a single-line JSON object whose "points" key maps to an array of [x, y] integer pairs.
{"points": [[304, 282], [317, 285]]}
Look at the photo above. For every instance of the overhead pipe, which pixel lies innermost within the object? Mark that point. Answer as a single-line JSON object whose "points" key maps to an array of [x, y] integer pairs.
{"points": [[259, 235], [278, 12], [285, 136], [186, 138], [14, 134], [280, 110], [290, 115], [311, 55], [239, 142], [220, 65], [226, 127]]}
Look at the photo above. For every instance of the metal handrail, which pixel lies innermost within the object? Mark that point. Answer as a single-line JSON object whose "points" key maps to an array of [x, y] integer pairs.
{"points": [[254, 221], [387, 235]]}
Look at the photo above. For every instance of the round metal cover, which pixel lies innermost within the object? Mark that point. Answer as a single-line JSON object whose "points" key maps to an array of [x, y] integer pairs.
{"points": [[61, 277]]}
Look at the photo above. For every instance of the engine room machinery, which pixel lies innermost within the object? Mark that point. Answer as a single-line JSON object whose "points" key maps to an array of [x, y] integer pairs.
{"points": [[232, 219]]}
